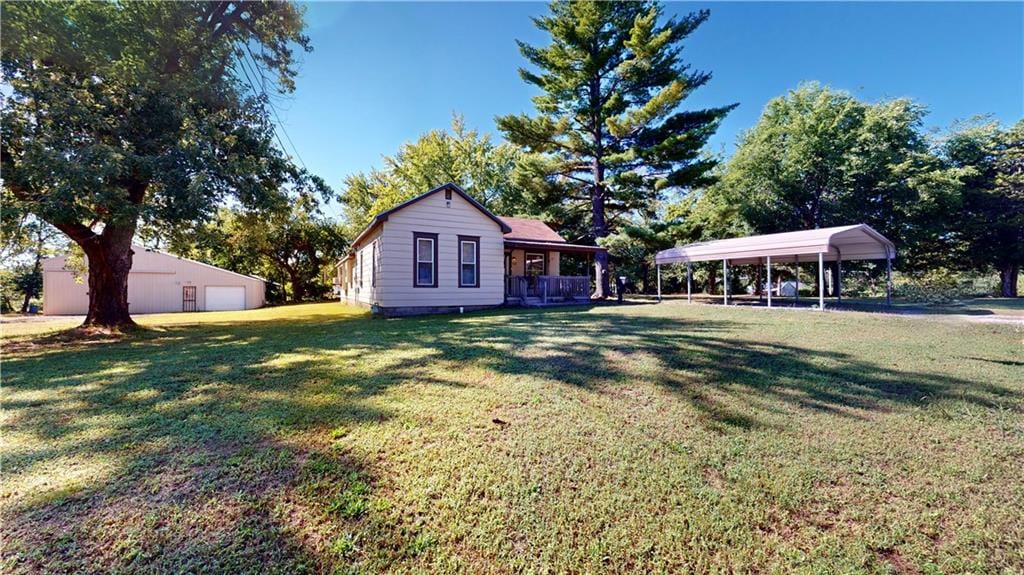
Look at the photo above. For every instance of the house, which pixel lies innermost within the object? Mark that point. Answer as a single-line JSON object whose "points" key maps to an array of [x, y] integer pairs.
{"points": [[443, 251], [158, 282]]}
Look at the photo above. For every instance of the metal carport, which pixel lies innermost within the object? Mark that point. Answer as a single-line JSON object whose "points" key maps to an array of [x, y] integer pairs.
{"points": [[856, 242]]}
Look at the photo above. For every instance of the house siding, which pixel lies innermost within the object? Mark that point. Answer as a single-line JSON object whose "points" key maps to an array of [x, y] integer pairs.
{"points": [[154, 284], [432, 215], [363, 262]]}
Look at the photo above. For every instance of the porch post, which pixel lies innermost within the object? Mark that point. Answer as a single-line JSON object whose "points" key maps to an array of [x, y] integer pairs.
{"points": [[659, 281], [689, 275], [821, 281], [725, 282], [769, 281], [888, 278], [590, 261]]}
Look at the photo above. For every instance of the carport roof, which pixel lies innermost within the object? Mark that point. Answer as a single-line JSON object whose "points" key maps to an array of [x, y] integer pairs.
{"points": [[856, 242]]}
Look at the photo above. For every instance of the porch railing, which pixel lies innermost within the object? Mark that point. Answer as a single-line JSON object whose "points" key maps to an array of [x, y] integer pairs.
{"points": [[548, 288], [516, 287]]}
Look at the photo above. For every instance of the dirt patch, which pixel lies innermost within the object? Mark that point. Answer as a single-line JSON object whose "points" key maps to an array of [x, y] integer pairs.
{"points": [[899, 563]]}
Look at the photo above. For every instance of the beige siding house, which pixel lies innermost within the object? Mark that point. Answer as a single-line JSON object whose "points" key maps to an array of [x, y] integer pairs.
{"points": [[442, 251], [158, 282]]}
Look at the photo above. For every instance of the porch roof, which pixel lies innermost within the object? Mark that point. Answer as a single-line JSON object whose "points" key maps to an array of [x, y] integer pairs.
{"points": [[553, 246], [531, 230]]}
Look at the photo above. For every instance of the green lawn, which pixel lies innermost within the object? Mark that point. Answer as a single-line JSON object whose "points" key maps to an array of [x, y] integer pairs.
{"points": [[642, 438]]}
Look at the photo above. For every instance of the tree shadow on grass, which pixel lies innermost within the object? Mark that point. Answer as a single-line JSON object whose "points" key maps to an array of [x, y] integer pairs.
{"points": [[195, 427]]}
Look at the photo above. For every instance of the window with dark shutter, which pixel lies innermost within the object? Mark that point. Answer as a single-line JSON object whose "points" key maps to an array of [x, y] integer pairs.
{"points": [[424, 260]]}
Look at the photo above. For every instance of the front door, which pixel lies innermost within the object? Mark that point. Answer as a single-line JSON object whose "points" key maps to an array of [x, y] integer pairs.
{"points": [[535, 265], [188, 298]]}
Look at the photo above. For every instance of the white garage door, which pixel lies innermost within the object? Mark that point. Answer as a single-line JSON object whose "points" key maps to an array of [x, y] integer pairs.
{"points": [[223, 298]]}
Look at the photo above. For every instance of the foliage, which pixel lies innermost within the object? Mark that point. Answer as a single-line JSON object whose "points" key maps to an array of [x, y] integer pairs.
{"points": [[936, 286], [990, 227], [632, 248], [8, 291], [128, 112], [25, 241], [774, 442], [294, 245], [459, 155], [609, 137], [818, 157]]}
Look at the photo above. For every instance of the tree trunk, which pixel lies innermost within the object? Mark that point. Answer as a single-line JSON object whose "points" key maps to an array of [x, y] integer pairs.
{"points": [[712, 280], [110, 261], [298, 288], [600, 230], [37, 269], [597, 195], [1008, 280]]}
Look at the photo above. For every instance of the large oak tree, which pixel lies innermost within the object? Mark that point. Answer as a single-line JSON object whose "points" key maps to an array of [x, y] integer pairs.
{"points": [[459, 155], [129, 112], [990, 225], [609, 136], [819, 157]]}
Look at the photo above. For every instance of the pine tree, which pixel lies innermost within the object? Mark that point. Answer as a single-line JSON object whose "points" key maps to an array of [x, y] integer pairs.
{"points": [[609, 137]]}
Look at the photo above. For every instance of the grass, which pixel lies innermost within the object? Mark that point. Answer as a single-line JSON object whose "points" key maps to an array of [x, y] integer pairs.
{"points": [[641, 438]]}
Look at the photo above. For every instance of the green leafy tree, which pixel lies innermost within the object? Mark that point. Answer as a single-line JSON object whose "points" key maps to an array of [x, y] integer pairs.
{"points": [[705, 214], [129, 112], [459, 155], [25, 241], [294, 243], [633, 247], [991, 223], [818, 157], [609, 136]]}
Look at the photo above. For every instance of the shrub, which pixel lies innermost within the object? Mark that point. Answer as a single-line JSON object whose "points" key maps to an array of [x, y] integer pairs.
{"points": [[934, 286]]}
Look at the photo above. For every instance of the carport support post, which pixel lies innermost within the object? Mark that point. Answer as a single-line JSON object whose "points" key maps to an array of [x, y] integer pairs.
{"points": [[821, 281], [888, 278], [769, 281], [796, 265], [725, 282], [689, 282], [839, 279], [659, 282]]}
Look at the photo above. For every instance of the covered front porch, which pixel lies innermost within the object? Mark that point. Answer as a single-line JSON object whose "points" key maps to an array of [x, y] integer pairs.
{"points": [[545, 273]]}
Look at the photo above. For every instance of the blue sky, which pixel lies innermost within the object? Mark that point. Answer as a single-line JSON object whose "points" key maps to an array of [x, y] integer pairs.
{"points": [[382, 73]]}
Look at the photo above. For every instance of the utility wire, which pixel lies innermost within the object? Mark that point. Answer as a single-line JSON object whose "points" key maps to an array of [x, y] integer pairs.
{"points": [[262, 91], [249, 80], [273, 109]]}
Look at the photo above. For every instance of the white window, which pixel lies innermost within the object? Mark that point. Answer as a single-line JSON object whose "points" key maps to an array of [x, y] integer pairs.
{"points": [[426, 260], [468, 268]]}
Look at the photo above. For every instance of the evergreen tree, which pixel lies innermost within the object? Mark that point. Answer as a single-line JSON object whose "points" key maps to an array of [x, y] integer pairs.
{"points": [[609, 137]]}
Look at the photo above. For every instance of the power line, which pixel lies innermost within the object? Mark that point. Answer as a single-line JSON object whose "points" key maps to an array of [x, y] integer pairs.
{"points": [[273, 109], [266, 98], [252, 85]]}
